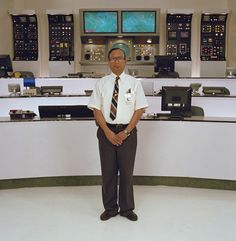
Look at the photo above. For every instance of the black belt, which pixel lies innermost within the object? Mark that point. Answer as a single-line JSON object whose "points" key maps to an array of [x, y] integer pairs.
{"points": [[118, 126]]}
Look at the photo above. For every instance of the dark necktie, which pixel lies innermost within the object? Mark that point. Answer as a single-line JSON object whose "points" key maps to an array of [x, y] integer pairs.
{"points": [[114, 100]]}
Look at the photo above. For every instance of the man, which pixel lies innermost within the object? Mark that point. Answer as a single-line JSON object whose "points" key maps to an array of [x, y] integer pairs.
{"points": [[118, 102]]}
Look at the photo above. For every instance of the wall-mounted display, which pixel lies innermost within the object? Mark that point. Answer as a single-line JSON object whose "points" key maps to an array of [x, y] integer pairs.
{"points": [[119, 22], [138, 21], [100, 22]]}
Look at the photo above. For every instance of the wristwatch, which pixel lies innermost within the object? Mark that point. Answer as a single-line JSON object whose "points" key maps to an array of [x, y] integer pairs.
{"points": [[127, 132]]}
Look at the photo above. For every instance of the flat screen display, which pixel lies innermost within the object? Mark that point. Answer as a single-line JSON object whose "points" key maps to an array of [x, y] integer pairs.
{"points": [[176, 99], [138, 21], [5, 65], [100, 22], [63, 111], [164, 63]]}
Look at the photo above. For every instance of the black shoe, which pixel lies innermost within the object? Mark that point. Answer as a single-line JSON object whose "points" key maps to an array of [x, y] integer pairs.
{"points": [[130, 215], [107, 215]]}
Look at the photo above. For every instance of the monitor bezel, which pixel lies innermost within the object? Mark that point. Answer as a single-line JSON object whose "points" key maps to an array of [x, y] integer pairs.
{"points": [[168, 91]]}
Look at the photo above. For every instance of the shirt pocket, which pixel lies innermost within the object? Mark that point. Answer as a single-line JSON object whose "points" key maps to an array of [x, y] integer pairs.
{"points": [[129, 97]]}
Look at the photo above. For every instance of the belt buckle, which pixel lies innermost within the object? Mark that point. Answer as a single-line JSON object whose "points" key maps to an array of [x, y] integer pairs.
{"points": [[119, 125]]}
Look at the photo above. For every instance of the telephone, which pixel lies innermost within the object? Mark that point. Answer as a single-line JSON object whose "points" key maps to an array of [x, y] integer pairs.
{"points": [[215, 90], [23, 74]]}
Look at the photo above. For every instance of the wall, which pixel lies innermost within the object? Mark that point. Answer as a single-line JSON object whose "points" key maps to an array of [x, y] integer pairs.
{"points": [[5, 27], [74, 5], [232, 34]]}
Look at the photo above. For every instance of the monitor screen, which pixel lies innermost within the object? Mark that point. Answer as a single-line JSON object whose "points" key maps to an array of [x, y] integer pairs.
{"points": [[164, 63], [100, 22], [176, 99], [64, 111], [29, 82], [138, 21], [5, 65]]}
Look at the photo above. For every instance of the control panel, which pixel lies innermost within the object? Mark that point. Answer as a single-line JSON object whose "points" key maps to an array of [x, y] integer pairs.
{"points": [[179, 36], [94, 53], [135, 52], [213, 35], [144, 52], [25, 37], [61, 37]]}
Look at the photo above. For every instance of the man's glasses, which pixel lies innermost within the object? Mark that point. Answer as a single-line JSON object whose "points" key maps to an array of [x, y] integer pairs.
{"points": [[117, 59]]}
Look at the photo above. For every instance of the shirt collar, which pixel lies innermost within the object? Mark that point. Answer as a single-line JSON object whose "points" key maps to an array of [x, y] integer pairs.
{"points": [[121, 75]]}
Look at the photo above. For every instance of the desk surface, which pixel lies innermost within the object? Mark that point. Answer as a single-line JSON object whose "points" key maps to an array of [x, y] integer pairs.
{"points": [[163, 117]]}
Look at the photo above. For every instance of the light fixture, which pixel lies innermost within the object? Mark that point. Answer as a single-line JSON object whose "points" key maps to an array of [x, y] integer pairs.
{"points": [[149, 40]]}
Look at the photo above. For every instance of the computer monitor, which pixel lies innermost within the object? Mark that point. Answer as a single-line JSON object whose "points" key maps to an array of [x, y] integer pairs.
{"points": [[141, 21], [5, 65], [176, 99], [65, 111], [164, 66], [164, 63], [14, 89], [100, 22]]}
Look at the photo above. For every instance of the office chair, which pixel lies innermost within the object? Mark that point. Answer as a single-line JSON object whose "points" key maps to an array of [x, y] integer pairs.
{"points": [[197, 111]]}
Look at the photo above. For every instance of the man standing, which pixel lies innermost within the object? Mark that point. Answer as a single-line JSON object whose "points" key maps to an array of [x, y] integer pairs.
{"points": [[118, 102]]}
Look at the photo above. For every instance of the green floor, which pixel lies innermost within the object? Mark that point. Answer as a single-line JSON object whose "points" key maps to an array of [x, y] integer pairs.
{"points": [[138, 180]]}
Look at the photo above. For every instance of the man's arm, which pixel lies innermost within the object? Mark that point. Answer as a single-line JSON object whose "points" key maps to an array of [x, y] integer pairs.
{"points": [[133, 122]]}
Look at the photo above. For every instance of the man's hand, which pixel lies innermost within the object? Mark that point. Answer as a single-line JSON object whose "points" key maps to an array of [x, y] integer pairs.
{"points": [[115, 139], [122, 135]]}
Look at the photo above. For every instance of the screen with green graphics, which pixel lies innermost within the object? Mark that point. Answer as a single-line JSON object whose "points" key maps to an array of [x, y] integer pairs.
{"points": [[100, 22], [138, 21]]}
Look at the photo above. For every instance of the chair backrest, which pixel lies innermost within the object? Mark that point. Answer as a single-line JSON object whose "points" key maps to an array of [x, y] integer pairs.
{"points": [[197, 111]]}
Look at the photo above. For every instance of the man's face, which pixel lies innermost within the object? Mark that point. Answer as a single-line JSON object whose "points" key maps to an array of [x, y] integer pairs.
{"points": [[117, 62]]}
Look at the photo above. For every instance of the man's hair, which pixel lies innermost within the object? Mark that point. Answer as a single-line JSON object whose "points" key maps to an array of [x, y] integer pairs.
{"points": [[113, 49]]}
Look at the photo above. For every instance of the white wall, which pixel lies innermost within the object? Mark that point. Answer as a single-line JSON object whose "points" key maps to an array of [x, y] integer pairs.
{"points": [[5, 27], [232, 34], [74, 5]]}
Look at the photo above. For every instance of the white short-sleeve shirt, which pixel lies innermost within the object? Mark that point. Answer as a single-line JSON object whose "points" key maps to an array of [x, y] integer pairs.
{"points": [[131, 97]]}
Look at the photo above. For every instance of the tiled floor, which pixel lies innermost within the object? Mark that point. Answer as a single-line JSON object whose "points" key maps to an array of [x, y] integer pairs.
{"points": [[72, 214]]}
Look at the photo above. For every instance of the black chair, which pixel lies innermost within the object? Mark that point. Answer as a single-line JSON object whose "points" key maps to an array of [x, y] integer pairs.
{"points": [[197, 111]]}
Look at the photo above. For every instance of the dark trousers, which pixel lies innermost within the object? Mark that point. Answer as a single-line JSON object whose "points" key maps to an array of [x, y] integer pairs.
{"points": [[114, 160]]}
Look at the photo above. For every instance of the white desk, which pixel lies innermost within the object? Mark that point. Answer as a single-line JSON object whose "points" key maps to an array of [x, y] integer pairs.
{"points": [[213, 106], [165, 148]]}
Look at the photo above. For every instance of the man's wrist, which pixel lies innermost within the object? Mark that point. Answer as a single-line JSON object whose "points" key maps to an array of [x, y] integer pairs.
{"points": [[127, 132]]}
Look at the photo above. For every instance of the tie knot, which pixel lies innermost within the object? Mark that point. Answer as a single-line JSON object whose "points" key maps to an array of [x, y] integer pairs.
{"points": [[117, 78]]}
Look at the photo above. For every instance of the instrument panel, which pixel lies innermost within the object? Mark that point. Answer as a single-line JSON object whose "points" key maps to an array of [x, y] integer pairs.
{"points": [[213, 37], [61, 37], [179, 36], [25, 37]]}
